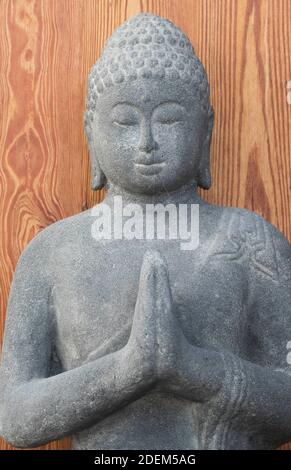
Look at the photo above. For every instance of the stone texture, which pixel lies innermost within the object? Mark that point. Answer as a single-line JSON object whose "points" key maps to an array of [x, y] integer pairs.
{"points": [[137, 344]]}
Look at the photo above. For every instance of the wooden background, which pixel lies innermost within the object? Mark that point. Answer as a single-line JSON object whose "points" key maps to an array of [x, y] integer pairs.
{"points": [[46, 50]]}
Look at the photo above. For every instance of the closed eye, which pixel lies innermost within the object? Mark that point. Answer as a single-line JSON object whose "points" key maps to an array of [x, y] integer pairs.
{"points": [[170, 122], [125, 123]]}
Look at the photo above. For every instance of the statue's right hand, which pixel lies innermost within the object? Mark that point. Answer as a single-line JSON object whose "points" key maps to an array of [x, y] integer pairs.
{"points": [[141, 350]]}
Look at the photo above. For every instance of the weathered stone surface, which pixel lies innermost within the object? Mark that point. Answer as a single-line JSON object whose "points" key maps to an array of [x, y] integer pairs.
{"points": [[137, 343]]}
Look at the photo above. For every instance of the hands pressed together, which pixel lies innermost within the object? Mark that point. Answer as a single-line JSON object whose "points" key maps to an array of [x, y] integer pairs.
{"points": [[157, 353]]}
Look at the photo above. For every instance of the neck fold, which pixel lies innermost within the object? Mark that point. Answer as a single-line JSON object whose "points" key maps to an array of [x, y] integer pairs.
{"points": [[183, 195]]}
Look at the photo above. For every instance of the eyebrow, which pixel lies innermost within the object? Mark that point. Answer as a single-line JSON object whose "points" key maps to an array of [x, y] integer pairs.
{"points": [[170, 102], [127, 103]]}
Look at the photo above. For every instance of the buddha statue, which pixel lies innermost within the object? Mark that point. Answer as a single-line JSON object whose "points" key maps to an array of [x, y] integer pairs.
{"points": [[134, 343]]}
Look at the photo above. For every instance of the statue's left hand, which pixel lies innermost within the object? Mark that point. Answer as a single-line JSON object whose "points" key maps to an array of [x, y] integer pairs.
{"points": [[182, 368]]}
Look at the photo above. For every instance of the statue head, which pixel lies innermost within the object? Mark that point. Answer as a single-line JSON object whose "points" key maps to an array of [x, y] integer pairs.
{"points": [[148, 118]]}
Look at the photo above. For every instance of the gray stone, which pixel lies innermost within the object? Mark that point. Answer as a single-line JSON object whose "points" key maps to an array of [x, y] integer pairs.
{"points": [[137, 343]]}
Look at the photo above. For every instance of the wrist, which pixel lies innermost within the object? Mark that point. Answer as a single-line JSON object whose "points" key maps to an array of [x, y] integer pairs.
{"points": [[199, 375], [137, 372]]}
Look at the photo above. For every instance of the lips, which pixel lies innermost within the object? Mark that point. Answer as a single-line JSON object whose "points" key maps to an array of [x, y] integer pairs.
{"points": [[146, 168]]}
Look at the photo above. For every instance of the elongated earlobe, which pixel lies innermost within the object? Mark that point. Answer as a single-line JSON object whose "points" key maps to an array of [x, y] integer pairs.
{"points": [[205, 179], [98, 180], [98, 177], [204, 175]]}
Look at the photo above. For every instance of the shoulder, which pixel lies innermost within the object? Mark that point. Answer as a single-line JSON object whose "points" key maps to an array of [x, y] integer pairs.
{"points": [[40, 250], [244, 222], [264, 246]]}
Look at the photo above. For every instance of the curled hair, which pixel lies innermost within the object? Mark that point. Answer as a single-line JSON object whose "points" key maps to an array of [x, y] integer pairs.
{"points": [[150, 47]]}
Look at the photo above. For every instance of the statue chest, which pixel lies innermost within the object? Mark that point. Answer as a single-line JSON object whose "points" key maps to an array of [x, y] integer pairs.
{"points": [[94, 299]]}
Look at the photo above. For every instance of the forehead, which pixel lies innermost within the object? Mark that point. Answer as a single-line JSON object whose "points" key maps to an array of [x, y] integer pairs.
{"points": [[147, 93]]}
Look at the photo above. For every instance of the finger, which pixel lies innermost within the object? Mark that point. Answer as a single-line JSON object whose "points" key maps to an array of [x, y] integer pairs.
{"points": [[153, 270], [154, 297]]}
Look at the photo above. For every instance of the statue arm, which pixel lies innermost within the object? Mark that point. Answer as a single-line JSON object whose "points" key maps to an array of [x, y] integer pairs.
{"points": [[36, 407], [254, 399], [254, 392]]}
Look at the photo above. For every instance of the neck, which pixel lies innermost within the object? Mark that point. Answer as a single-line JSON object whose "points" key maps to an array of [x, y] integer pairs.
{"points": [[183, 195]]}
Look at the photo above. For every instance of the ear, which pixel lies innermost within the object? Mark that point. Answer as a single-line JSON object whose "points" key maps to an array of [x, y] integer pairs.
{"points": [[204, 176], [98, 179]]}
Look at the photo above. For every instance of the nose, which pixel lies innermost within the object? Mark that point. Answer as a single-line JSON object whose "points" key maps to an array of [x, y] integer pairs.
{"points": [[147, 142]]}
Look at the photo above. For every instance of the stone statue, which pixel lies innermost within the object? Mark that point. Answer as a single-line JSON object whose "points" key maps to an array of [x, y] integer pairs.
{"points": [[135, 343]]}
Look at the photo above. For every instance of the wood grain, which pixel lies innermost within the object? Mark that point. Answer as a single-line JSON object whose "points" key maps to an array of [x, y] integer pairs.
{"points": [[47, 48]]}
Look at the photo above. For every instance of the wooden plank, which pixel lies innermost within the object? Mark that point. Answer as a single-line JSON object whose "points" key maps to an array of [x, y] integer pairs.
{"points": [[47, 48]]}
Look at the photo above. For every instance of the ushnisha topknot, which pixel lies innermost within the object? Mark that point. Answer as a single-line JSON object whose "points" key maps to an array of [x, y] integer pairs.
{"points": [[147, 46]]}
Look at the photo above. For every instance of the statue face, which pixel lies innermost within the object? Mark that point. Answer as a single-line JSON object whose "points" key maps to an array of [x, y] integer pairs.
{"points": [[148, 135]]}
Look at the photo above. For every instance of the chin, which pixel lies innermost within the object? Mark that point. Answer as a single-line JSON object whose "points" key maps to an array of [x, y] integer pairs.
{"points": [[153, 188]]}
